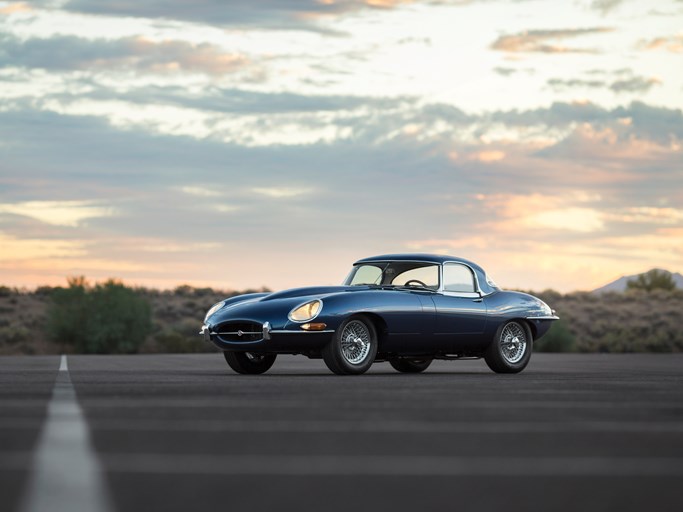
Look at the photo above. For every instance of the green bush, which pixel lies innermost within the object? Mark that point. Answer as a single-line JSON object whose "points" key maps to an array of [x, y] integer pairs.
{"points": [[558, 339], [107, 318]]}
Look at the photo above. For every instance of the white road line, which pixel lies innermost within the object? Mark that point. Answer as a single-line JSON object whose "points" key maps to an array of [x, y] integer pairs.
{"points": [[66, 474]]}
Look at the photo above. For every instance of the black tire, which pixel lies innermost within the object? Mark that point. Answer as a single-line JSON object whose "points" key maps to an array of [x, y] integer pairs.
{"points": [[249, 363], [353, 348], [511, 348], [410, 365]]}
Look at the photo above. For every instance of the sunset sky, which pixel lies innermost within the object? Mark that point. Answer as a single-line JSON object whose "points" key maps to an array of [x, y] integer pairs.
{"points": [[239, 144]]}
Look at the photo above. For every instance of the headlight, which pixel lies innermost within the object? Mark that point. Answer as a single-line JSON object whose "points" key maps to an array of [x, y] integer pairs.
{"points": [[306, 312], [214, 308], [546, 309]]}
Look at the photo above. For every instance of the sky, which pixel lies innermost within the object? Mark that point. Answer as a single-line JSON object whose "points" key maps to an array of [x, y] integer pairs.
{"points": [[240, 144]]}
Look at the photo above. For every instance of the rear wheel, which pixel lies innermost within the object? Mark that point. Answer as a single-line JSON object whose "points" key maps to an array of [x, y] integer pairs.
{"points": [[249, 362], [510, 349], [410, 365], [353, 348]]}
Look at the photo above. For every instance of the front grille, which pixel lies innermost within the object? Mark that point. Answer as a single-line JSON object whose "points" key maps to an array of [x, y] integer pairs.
{"points": [[240, 332]]}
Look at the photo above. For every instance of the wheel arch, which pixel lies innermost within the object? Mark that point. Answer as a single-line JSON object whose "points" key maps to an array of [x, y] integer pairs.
{"points": [[530, 326], [378, 323]]}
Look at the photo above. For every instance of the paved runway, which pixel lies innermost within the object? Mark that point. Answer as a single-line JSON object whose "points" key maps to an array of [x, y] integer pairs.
{"points": [[182, 432]]}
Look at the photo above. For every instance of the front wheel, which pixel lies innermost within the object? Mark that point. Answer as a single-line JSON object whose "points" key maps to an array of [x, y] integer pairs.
{"points": [[510, 349], [353, 348], [249, 362], [410, 365]]}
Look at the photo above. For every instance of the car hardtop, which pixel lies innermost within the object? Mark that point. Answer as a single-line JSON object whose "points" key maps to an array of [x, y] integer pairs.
{"points": [[437, 259], [486, 286]]}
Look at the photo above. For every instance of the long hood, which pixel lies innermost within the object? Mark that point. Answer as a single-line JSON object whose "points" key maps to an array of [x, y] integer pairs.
{"points": [[310, 291], [274, 307]]}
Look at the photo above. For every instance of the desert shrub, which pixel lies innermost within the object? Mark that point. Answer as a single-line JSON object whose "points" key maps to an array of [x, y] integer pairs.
{"points": [[558, 339], [652, 280], [107, 318], [12, 335], [181, 337]]}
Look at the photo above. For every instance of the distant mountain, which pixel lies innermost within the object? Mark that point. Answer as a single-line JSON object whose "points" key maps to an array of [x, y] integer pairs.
{"points": [[620, 284]]}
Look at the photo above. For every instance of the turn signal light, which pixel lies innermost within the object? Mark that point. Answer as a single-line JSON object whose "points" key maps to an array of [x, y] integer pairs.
{"points": [[314, 327]]}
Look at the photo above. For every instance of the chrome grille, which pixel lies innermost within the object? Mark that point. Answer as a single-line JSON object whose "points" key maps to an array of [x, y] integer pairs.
{"points": [[240, 332]]}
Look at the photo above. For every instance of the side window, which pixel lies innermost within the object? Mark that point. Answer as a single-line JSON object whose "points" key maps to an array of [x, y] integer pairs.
{"points": [[428, 275], [458, 278], [367, 274]]}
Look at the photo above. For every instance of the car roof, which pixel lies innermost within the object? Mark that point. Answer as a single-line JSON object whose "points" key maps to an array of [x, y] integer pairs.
{"points": [[431, 258]]}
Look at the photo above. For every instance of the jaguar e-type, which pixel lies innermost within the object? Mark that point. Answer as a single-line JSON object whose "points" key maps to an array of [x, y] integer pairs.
{"points": [[407, 309]]}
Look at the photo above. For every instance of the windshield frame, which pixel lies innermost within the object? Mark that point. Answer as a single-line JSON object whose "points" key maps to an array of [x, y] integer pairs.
{"points": [[384, 264]]}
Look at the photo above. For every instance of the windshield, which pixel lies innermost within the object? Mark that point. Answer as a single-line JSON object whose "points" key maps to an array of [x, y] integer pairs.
{"points": [[395, 273]]}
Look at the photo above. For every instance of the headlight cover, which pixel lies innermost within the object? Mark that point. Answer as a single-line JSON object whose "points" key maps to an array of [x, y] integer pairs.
{"points": [[214, 308], [306, 312]]}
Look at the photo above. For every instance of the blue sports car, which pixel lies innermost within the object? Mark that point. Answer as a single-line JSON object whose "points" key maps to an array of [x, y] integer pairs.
{"points": [[407, 309]]}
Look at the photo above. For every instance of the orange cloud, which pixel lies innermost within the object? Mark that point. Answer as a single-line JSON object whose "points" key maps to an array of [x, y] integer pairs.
{"points": [[673, 44], [179, 55], [492, 155], [536, 41], [15, 7]]}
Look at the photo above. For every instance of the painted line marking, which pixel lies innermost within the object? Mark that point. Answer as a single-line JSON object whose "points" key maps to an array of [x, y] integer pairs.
{"points": [[66, 474]]}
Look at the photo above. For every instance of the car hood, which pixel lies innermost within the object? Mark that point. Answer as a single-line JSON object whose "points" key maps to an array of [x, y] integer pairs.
{"points": [[316, 291], [274, 307]]}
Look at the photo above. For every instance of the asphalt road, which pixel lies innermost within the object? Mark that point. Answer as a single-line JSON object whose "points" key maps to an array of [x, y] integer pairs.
{"points": [[182, 432]]}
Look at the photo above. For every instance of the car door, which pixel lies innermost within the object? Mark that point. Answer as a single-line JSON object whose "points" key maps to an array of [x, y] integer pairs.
{"points": [[460, 309]]}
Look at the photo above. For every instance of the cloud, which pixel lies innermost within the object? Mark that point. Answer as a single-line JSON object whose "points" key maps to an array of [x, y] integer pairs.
{"points": [[605, 6], [560, 83], [268, 14], [673, 44], [134, 53], [537, 40], [58, 213], [282, 192], [202, 191], [14, 7], [659, 124], [632, 84]]}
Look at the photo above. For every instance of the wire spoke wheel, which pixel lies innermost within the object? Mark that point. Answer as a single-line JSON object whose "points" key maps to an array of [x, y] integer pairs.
{"points": [[355, 342], [353, 348], [513, 342], [510, 348]]}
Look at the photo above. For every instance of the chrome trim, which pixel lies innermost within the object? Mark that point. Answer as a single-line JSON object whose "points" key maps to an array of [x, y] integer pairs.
{"points": [[206, 332], [545, 317], [478, 291], [239, 333], [289, 315], [293, 331], [266, 331], [462, 295]]}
